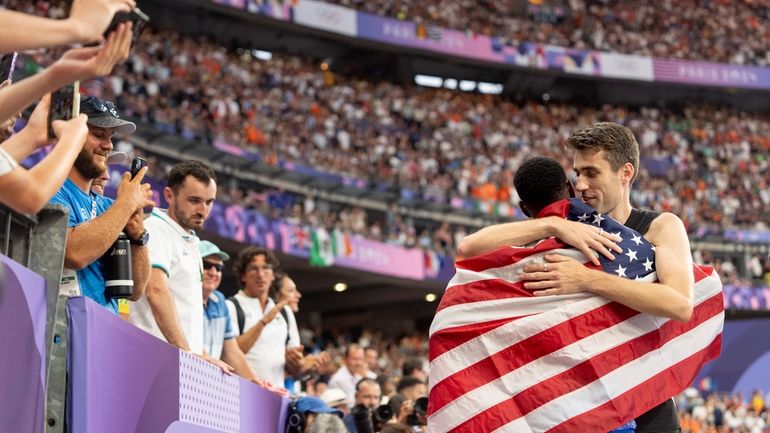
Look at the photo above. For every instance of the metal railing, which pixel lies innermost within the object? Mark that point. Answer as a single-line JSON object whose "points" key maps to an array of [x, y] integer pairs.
{"points": [[37, 242]]}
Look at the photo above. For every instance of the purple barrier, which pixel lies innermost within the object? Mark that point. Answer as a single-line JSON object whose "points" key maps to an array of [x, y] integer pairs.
{"points": [[22, 335], [122, 379], [745, 361]]}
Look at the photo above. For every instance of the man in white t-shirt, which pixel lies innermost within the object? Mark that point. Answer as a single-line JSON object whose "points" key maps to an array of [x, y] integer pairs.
{"points": [[266, 332], [172, 309], [348, 376]]}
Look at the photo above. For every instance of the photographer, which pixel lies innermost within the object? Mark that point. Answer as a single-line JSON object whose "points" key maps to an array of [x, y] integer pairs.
{"points": [[96, 221], [367, 401], [411, 404]]}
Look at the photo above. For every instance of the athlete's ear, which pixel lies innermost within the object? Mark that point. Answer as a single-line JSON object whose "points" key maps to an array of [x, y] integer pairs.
{"points": [[628, 171]]}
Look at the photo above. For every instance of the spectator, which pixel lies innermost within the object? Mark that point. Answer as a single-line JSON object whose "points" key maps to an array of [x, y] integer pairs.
{"points": [[351, 373], [335, 398], [310, 409], [371, 355], [413, 368], [218, 336], [96, 221], [98, 184], [284, 292], [267, 338], [172, 310], [368, 394]]}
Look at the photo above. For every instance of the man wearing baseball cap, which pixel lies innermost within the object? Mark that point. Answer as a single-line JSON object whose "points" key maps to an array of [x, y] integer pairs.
{"points": [[96, 221], [218, 336]]}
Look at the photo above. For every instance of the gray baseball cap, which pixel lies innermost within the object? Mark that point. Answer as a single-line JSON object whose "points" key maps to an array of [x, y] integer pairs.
{"points": [[104, 114]]}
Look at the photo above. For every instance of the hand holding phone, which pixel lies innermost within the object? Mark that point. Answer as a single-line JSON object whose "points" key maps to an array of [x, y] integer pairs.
{"points": [[136, 16], [65, 105], [136, 165]]}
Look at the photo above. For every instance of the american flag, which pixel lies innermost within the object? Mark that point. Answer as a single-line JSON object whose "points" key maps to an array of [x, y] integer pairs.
{"points": [[503, 360]]}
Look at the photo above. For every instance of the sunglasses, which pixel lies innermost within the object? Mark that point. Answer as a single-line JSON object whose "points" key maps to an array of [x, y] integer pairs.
{"points": [[99, 104], [218, 266]]}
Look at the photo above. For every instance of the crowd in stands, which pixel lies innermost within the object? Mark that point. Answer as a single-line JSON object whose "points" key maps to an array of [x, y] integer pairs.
{"points": [[440, 143], [724, 412], [702, 163], [708, 165], [718, 30]]}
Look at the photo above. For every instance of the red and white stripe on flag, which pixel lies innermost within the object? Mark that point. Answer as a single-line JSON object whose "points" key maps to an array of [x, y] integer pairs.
{"points": [[503, 360]]}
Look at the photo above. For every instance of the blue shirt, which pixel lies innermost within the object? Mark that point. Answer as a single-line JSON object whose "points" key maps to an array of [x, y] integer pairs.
{"points": [[83, 207], [216, 328]]}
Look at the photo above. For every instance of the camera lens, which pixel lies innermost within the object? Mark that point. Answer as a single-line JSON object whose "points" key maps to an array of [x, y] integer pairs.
{"points": [[421, 405], [383, 413]]}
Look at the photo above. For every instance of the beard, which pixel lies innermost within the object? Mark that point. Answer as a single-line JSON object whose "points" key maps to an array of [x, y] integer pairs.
{"points": [[187, 222], [86, 166]]}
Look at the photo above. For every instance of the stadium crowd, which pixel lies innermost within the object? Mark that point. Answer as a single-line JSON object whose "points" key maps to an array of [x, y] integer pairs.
{"points": [[442, 144], [720, 31]]}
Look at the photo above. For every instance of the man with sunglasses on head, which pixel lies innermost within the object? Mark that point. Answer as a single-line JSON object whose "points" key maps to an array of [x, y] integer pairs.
{"points": [[96, 221], [218, 335]]}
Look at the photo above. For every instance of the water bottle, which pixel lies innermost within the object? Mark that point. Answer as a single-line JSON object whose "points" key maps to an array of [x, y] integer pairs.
{"points": [[118, 275]]}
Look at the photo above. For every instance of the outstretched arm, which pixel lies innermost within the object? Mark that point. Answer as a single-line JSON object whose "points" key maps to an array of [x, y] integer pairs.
{"points": [[584, 237], [87, 21]]}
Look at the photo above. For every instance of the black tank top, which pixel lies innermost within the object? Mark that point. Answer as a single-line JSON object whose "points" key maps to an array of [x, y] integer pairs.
{"points": [[663, 417]]}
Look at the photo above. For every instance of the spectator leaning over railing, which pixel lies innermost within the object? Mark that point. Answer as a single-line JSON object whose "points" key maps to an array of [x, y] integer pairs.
{"points": [[96, 221], [172, 309]]}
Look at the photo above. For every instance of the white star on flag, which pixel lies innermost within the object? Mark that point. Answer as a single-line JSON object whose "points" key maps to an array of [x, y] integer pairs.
{"points": [[598, 219], [648, 264], [621, 271], [637, 239], [631, 255], [583, 218]]}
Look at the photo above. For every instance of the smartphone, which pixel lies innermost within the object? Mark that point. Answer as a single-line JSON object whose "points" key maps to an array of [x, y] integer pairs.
{"points": [[136, 165], [7, 65], [65, 104], [136, 16]]}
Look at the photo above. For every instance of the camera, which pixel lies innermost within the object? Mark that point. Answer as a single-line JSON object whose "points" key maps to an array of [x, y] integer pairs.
{"points": [[65, 105], [367, 421], [419, 412]]}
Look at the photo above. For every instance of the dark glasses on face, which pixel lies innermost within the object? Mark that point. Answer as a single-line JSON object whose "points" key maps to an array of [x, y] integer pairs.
{"points": [[218, 266]]}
